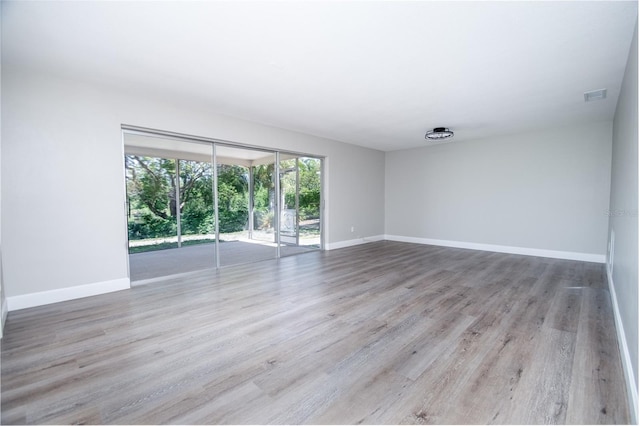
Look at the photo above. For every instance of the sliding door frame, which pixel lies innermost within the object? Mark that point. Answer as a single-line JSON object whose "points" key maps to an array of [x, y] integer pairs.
{"points": [[181, 137], [216, 221]]}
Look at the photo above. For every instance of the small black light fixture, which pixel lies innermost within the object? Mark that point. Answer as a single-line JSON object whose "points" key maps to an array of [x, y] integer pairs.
{"points": [[438, 134]]}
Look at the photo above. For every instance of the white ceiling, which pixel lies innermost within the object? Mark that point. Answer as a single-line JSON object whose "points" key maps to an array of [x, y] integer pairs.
{"points": [[372, 73]]}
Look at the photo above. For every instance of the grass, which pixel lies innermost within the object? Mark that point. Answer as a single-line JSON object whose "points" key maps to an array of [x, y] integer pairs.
{"points": [[307, 229]]}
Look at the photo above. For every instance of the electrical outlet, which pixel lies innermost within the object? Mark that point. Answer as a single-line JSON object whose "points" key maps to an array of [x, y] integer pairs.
{"points": [[352, 228]]}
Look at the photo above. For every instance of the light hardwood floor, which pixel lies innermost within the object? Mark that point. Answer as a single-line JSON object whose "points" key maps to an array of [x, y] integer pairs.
{"points": [[380, 333]]}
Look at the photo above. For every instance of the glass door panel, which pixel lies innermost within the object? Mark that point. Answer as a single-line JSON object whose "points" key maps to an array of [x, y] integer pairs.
{"points": [[197, 224], [151, 203], [289, 202], [309, 202], [300, 201], [245, 206], [170, 206], [264, 199]]}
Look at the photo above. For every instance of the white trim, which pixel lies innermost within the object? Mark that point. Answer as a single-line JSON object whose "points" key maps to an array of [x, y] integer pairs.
{"points": [[632, 388], [585, 257], [5, 311], [356, 242], [612, 247], [69, 293]]}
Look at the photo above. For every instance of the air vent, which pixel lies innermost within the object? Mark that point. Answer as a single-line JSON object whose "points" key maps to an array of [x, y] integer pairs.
{"points": [[595, 95]]}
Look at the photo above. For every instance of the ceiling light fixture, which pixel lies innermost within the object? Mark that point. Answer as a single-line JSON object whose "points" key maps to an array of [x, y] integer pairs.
{"points": [[439, 133]]}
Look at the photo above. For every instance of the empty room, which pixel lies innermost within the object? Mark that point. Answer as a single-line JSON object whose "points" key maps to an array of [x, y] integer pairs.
{"points": [[319, 212]]}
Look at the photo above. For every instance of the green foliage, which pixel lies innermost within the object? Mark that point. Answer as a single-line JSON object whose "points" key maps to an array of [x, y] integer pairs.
{"points": [[263, 219], [309, 204], [233, 198], [149, 226], [196, 220], [263, 196], [310, 174], [151, 194], [309, 196]]}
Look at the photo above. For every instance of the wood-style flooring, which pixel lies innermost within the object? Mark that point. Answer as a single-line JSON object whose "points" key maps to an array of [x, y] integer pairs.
{"points": [[384, 332]]}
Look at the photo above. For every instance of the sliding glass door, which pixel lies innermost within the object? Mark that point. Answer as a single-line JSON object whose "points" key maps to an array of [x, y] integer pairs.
{"points": [[196, 204], [170, 206]]}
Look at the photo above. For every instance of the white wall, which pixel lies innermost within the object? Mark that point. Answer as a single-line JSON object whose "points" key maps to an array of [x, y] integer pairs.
{"points": [[3, 297], [624, 216], [63, 222], [547, 190]]}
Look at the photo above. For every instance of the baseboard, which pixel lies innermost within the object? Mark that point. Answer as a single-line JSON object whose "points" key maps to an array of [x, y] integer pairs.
{"points": [[632, 389], [5, 311], [350, 243], [585, 257], [30, 300]]}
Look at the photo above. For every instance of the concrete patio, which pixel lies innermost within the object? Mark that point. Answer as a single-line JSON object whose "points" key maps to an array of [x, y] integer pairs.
{"points": [[162, 263]]}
